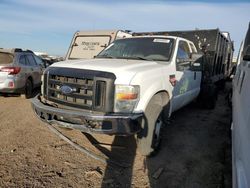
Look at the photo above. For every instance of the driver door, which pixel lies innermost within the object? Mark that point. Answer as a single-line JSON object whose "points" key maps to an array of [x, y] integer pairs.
{"points": [[185, 78]]}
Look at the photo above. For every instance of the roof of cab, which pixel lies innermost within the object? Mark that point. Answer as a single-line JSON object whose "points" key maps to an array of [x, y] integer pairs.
{"points": [[155, 36], [161, 36]]}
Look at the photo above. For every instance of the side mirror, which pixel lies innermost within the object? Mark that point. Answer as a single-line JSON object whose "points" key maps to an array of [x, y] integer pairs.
{"points": [[246, 56], [197, 60], [196, 66], [42, 65]]}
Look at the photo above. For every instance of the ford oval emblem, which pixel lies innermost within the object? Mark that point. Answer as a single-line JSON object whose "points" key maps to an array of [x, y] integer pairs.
{"points": [[66, 89]]}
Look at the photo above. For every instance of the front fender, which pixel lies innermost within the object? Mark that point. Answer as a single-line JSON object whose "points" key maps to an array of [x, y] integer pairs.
{"points": [[147, 94], [151, 82]]}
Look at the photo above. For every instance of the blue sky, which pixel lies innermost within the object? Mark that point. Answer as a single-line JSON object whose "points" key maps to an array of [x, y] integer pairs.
{"points": [[48, 25]]}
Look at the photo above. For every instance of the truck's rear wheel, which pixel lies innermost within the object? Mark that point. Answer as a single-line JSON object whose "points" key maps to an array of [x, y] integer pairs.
{"points": [[149, 139]]}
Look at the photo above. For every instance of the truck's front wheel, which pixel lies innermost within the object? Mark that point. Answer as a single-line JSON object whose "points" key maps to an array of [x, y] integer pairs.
{"points": [[149, 139]]}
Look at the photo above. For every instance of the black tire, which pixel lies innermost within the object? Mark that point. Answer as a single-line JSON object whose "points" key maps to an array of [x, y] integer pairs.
{"points": [[149, 139], [28, 89]]}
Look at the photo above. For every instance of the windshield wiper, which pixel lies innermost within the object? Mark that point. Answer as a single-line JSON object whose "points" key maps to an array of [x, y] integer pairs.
{"points": [[138, 57], [146, 59], [105, 56], [123, 57], [141, 58]]}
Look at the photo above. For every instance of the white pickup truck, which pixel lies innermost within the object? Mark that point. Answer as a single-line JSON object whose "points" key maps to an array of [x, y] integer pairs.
{"points": [[131, 87]]}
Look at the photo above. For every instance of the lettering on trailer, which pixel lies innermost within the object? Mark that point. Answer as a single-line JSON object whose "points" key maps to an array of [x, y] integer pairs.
{"points": [[90, 45]]}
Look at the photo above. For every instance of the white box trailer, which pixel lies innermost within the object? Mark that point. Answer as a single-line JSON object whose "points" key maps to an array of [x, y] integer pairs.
{"points": [[87, 44]]}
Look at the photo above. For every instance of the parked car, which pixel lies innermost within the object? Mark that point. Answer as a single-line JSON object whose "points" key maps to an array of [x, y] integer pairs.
{"points": [[134, 84], [20, 71], [241, 118]]}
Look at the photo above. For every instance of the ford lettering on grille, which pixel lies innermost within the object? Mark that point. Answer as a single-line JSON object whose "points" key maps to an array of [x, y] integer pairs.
{"points": [[66, 89]]}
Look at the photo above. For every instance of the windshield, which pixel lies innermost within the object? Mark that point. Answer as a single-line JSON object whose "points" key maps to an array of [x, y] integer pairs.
{"points": [[6, 58], [150, 48]]}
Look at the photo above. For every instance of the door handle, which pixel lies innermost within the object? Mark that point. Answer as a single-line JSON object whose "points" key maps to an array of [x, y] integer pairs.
{"points": [[194, 75]]}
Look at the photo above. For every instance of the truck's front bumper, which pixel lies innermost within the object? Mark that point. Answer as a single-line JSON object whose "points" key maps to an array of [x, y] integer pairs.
{"points": [[113, 124]]}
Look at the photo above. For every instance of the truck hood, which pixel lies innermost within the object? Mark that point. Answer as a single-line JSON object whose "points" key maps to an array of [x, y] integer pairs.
{"points": [[124, 69]]}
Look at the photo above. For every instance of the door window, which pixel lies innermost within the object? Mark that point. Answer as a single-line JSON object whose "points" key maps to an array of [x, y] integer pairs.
{"points": [[39, 61], [193, 48], [183, 57], [22, 60], [31, 60]]}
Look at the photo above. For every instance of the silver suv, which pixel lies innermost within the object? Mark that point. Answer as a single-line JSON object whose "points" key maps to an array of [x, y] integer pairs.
{"points": [[20, 71]]}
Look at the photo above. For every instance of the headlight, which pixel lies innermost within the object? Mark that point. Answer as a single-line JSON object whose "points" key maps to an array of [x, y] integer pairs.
{"points": [[126, 98]]}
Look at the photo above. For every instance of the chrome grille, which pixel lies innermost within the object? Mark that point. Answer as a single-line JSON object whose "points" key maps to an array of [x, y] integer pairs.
{"points": [[82, 96], [89, 89]]}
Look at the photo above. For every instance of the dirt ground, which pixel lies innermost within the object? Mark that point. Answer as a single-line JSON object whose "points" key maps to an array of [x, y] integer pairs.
{"points": [[195, 153]]}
